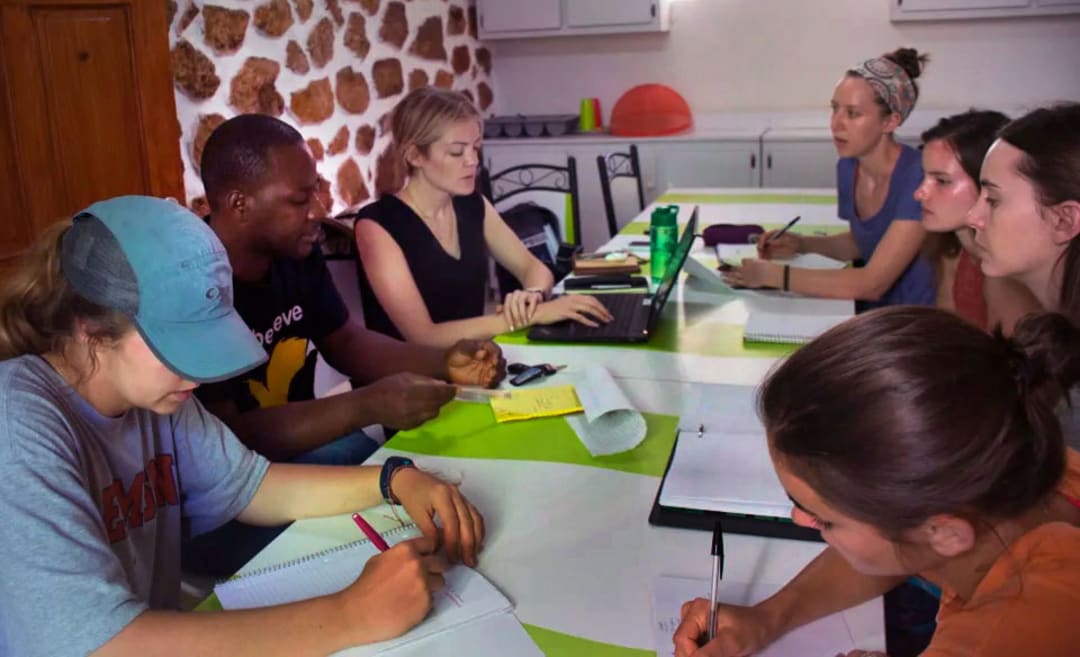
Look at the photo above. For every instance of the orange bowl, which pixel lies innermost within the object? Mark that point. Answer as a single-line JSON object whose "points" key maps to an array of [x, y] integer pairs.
{"points": [[649, 110]]}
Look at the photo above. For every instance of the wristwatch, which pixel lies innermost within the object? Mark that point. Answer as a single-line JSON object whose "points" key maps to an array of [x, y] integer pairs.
{"points": [[386, 475]]}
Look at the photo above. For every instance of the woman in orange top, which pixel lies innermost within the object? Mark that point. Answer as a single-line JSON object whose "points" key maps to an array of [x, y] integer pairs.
{"points": [[920, 444], [952, 152]]}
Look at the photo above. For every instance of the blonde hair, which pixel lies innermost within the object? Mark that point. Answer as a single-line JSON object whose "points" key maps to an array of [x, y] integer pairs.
{"points": [[39, 310], [419, 120]]}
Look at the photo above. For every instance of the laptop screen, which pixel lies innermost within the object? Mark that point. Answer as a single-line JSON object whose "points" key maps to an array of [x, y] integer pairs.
{"points": [[682, 250]]}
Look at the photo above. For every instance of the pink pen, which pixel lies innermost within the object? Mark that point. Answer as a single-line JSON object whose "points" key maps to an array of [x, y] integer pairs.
{"points": [[369, 531]]}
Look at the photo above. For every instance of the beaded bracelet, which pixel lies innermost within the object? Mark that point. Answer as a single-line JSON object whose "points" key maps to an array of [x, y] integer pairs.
{"points": [[386, 475]]}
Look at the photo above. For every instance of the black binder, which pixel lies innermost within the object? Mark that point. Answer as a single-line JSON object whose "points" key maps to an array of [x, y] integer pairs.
{"points": [[736, 523]]}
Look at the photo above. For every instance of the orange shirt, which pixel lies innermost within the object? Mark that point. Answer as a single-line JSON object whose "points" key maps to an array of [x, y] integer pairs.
{"points": [[1027, 603]]}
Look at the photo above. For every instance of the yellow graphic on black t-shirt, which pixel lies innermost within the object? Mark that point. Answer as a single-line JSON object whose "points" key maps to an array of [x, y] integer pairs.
{"points": [[286, 361]]}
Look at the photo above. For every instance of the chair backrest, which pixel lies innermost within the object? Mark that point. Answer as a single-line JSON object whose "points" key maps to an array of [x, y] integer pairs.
{"points": [[618, 165], [509, 182]]}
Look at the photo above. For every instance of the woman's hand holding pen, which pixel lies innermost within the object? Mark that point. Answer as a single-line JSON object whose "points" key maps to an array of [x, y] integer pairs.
{"points": [[425, 496], [394, 592], [780, 247], [740, 631]]}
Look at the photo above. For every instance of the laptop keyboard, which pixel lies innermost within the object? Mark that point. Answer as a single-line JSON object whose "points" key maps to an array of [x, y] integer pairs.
{"points": [[623, 307]]}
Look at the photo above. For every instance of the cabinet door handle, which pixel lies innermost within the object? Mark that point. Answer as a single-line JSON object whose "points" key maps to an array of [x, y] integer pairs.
{"points": [[652, 10], [753, 161], [768, 161]]}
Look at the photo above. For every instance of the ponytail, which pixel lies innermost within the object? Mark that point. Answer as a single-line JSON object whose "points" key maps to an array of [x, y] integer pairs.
{"points": [[1045, 359], [39, 311]]}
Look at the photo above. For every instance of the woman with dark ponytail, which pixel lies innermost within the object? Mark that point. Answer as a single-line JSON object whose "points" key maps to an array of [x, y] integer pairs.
{"points": [[919, 444]]}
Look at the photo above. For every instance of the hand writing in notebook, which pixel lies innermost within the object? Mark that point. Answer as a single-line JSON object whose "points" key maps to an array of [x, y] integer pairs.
{"points": [[425, 497], [739, 630], [395, 590]]}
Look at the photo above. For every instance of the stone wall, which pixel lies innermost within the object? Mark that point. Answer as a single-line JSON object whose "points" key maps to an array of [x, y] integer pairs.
{"points": [[331, 68]]}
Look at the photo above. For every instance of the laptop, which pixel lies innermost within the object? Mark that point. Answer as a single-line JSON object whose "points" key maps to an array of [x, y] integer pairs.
{"points": [[635, 313]]}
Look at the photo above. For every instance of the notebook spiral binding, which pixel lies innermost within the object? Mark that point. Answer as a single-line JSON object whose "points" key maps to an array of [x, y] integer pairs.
{"points": [[266, 570], [777, 338]]}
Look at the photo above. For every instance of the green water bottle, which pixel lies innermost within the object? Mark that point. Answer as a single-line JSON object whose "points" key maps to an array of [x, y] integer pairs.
{"points": [[663, 236]]}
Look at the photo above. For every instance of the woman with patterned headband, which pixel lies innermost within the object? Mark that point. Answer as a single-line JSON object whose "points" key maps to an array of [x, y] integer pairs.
{"points": [[876, 178]]}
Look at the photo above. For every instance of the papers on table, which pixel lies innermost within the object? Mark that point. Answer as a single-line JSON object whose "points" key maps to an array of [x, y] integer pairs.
{"points": [[529, 403], [466, 614], [727, 467], [610, 423], [823, 638], [793, 320], [704, 269]]}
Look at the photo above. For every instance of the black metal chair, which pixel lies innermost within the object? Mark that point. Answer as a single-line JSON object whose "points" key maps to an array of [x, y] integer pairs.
{"points": [[522, 178], [618, 165]]}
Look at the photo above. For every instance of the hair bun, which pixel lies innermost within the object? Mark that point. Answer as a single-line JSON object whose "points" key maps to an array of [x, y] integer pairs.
{"points": [[910, 60]]}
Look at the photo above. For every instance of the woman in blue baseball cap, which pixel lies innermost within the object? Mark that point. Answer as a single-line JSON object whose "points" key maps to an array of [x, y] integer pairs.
{"points": [[106, 328]]}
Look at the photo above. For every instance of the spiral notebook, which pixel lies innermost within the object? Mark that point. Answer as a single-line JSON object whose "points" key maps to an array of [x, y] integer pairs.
{"points": [[467, 598], [793, 320]]}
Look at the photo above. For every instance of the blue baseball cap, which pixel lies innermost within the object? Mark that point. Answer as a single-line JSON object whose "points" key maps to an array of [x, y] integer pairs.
{"points": [[166, 269]]}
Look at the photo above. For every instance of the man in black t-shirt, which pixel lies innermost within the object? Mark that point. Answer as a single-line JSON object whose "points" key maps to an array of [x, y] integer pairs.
{"points": [[262, 186]]}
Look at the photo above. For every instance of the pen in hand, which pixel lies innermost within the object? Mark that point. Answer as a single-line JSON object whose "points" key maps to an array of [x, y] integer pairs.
{"points": [[717, 574], [782, 230], [369, 531]]}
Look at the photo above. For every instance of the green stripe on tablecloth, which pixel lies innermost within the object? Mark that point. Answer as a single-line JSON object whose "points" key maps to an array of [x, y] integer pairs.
{"points": [[701, 338], [807, 199], [211, 603], [469, 430], [557, 644], [639, 227]]}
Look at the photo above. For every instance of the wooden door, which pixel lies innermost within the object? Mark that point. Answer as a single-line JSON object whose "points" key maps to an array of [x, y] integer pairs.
{"points": [[86, 109]]}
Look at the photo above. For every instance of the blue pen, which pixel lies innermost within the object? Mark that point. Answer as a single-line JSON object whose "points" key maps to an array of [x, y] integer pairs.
{"points": [[717, 573], [783, 230]]}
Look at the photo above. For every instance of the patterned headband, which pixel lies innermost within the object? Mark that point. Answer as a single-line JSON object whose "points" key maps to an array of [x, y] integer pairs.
{"points": [[891, 82]]}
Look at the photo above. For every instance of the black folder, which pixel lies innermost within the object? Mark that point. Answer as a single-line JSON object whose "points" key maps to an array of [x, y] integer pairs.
{"points": [[736, 523]]}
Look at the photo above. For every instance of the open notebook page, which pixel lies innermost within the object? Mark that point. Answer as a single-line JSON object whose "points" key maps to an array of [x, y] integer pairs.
{"points": [[726, 468], [825, 637]]}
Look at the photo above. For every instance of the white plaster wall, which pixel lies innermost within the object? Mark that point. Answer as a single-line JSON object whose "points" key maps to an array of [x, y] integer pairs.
{"points": [[781, 55]]}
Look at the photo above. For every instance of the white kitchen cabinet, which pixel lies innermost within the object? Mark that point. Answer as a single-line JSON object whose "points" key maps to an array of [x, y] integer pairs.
{"points": [[705, 163], [602, 13], [931, 10], [506, 16], [793, 162], [514, 19]]}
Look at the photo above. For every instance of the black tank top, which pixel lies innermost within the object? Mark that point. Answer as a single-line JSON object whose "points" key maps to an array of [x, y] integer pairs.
{"points": [[451, 288]]}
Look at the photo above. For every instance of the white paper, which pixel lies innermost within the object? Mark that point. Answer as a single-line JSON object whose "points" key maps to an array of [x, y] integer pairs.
{"points": [[610, 423], [824, 637], [727, 467], [467, 597], [498, 635]]}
